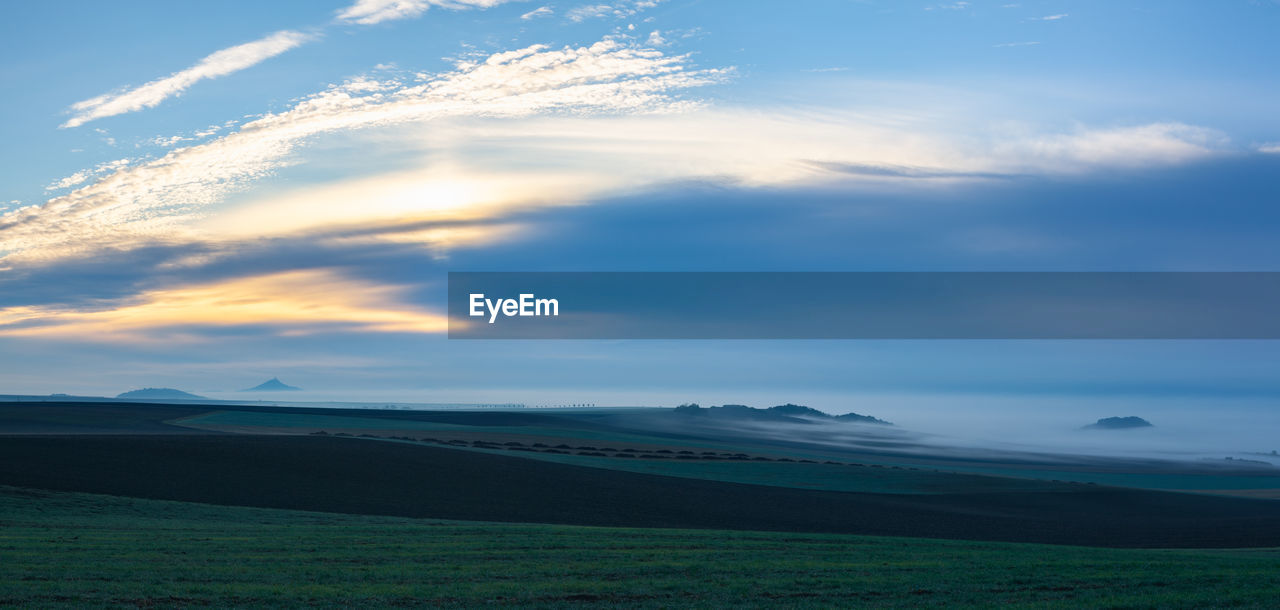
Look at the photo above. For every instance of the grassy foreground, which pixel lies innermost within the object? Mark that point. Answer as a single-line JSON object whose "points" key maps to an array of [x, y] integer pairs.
{"points": [[92, 550]]}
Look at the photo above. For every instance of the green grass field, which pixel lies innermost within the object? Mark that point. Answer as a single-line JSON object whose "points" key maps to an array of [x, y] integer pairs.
{"points": [[59, 548]]}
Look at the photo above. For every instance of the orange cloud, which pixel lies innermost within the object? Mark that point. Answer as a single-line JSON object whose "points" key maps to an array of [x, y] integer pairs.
{"points": [[289, 303]]}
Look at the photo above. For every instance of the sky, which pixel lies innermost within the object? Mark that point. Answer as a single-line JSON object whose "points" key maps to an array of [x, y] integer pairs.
{"points": [[207, 195]]}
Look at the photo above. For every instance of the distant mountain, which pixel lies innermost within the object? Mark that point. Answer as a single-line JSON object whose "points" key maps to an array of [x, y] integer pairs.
{"points": [[158, 394], [796, 411], [862, 419], [272, 385], [796, 414], [1118, 423]]}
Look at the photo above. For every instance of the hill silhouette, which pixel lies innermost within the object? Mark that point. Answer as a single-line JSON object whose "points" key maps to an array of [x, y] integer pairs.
{"points": [[272, 385], [1119, 423], [796, 414], [158, 394]]}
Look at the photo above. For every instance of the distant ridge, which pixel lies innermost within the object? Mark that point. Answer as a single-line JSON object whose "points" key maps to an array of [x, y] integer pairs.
{"points": [[1119, 423], [272, 385], [790, 413], [156, 393]]}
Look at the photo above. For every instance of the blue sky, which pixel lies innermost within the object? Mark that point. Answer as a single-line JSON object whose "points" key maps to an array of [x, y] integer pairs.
{"points": [[203, 196]]}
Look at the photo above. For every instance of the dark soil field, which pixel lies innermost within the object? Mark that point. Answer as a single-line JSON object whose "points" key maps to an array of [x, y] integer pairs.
{"points": [[361, 476], [140, 417], [94, 418]]}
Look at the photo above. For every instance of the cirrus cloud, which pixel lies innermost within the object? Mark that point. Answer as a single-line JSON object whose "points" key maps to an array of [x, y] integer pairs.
{"points": [[220, 63], [368, 12], [239, 57], [155, 199]]}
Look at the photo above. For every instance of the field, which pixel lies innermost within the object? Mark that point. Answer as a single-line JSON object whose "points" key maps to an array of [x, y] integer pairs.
{"points": [[365, 476], [144, 504], [89, 550]]}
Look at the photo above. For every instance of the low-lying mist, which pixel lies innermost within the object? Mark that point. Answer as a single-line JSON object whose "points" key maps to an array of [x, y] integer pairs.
{"points": [[1184, 428]]}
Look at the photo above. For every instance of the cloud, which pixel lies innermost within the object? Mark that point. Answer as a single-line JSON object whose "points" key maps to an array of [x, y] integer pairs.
{"points": [[1271, 148], [157, 199], [168, 142], [368, 12], [1124, 147], [1029, 43], [500, 165], [240, 57], [106, 137], [899, 171], [1052, 17], [617, 10], [174, 140], [504, 171], [289, 303], [534, 128], [69, 181], [81, 176], [590, 11], [220, 63], [775, 147], [541, 11]]}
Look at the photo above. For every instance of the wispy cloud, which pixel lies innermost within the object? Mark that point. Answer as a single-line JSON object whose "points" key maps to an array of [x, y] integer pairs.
{"points": [[218, 64], [240, 57], [70, 181], [617, 10], [605, 118], [1138, 146], [156, 198], [586, 129], [368, 12], [541, 11], [174, 140], [81, 176], [1271, 148], [589, 11], [1051, 17], [763, 149], [1029, 43]]}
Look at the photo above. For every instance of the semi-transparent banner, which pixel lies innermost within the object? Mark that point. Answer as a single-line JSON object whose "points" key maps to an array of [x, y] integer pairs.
{"points": [[864, 305]]}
